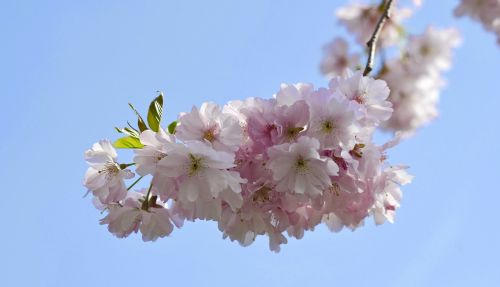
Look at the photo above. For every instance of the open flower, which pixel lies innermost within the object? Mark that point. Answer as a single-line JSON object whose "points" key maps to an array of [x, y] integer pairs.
{"points": [[333, 120], [131, 215], [289, 94], [211, 125], [432, 50], [388, 193], [337, 61], [156, 146], [290, 122], [203, 174], [298, 168], [367, 94], [105, 177]]}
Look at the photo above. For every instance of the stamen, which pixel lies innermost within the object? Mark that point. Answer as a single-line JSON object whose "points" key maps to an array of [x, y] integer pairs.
{"points": [[160, 155], [293, 132], [209, 135], [111, 169], [195, 165], [327, 126], [301, 164], [360, 99], [357, 150], [335, 189], [262, 195]]}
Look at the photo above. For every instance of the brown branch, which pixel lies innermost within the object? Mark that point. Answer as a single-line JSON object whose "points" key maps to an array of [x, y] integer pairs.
{"points": [[372, 43]]}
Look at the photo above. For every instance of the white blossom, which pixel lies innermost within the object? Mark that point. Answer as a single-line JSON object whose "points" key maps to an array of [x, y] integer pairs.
{"points": [[105, 177]]}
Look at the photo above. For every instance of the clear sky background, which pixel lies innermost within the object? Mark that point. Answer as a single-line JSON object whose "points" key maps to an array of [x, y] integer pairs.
{"points": [[68, 69]]}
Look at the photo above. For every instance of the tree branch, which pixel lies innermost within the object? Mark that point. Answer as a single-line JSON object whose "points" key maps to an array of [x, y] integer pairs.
{"points": [[372, 43]]}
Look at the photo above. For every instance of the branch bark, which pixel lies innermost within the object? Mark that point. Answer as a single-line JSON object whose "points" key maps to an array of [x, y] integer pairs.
{"points": [[372, 43]]}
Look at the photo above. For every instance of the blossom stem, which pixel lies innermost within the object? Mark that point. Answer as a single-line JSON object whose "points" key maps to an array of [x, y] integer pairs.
{"points": [[372, 43], [149, 191], [135, 182], [145, 204]]}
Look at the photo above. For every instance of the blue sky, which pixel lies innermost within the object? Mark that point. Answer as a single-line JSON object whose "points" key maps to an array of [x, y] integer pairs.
{"points": [[68, 69]]}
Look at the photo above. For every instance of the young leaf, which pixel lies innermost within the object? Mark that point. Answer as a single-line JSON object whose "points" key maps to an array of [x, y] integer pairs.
{"points": [[155, 112], [129, 131], [132, 127], [172, 126], [140, 122], [128, 142]]}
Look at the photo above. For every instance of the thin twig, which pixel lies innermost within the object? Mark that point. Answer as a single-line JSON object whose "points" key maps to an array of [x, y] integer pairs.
{"points": [[372, 43]]}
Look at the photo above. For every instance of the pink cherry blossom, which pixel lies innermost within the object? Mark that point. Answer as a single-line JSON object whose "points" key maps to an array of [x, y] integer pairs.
{"points": [[105, 177], [416, 79], [130, 216], [300, 159], [487, 12], [289, 94], [260, 117], [432, 50], [210, 124], [367, 94], [337, 61], [290, 122], [333, 120], [298, 168], [203, 174], [156, 146]]}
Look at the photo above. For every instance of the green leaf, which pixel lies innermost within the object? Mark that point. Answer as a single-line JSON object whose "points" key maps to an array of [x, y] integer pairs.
{"points": [[155, 112], [129, 131], [128, 142], [140, 122], [172, 126], [132, 127]]}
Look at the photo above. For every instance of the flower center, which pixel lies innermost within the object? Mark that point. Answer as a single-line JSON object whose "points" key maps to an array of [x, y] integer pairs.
{"points": [[335, 189], [357, 151], [160, 155], [195, 165], [111, 169], [209, 135], [261, 195], [301, 164], [327, 127], [425, 50], [360, 99], [342, 62], [293, 132]]}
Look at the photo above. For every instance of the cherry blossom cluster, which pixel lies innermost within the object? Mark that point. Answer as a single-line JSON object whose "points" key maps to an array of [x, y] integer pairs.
{"points": [[275, 167], [487, 12], [416, 79], [414, 74]]}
